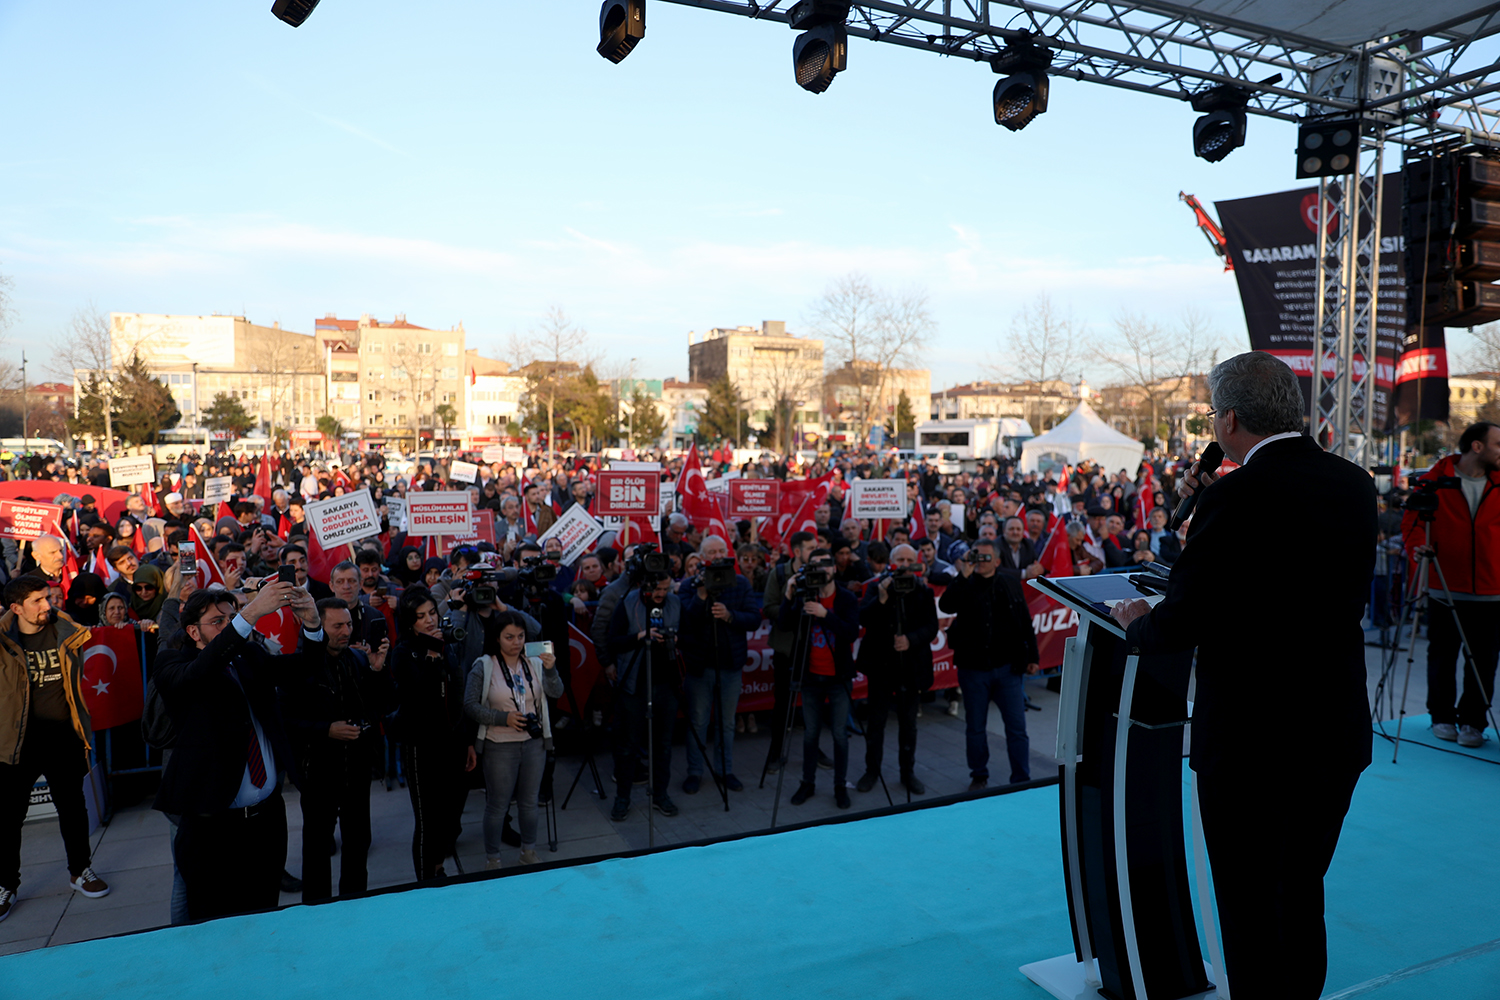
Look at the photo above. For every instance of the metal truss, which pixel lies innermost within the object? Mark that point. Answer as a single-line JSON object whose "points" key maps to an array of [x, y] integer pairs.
{"points": [[1417, 86], [1348, 292]]}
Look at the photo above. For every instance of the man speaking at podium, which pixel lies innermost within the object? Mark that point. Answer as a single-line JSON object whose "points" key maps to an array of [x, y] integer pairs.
{"points": [[1273, 789]]}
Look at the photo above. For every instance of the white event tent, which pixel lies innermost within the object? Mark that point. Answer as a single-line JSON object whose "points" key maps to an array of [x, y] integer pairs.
{"points": [[1083, 436]]}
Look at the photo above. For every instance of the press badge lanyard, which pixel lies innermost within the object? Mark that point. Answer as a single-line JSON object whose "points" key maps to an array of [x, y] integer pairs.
{"points": [[517, 688]]}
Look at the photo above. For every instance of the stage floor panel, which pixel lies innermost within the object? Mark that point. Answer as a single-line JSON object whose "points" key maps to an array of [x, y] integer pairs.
{"points": [[950, 900]]}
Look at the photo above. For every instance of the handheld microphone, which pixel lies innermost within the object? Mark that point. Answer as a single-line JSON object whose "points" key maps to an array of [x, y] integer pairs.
{"points": [[1207, 462]]}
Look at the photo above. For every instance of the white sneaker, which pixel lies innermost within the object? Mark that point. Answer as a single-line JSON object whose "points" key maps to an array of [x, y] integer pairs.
{"points": [[953, 708], [7, 902], [491, 864], [1445, 731], [93, 886], [1468, 736]]}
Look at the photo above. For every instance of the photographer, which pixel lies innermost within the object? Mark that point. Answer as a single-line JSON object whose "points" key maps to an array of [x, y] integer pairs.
{"points": [[993, 645], [801, 545], [895, 655], [333, 715], [550, 609], [437, 742], [828, 668], [469, 614], [718, 609], [637, 631], [1465, 538], [507, 696]]}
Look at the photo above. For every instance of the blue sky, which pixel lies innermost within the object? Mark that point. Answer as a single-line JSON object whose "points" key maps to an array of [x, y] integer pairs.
{"points": [[478, 162]]}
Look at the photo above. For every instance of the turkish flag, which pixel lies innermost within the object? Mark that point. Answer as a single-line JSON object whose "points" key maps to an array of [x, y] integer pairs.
{"points": [[102, 569], [917, 526], [208, 570], [225, 510], [702, 509], [320, 561], [112, 687], [153, 505], [138, 541], [280, 628], [70, 571], [263, 479], [1057, 557], [584, 670]]}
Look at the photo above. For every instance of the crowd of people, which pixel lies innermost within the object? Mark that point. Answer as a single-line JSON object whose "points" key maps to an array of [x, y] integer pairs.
{"points": [[442, 668]]}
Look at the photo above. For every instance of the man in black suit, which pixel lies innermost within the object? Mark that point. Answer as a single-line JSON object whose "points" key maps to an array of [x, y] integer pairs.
{"points": [[1017, 551], [1271, 819], [224, 775], [296, 557]]}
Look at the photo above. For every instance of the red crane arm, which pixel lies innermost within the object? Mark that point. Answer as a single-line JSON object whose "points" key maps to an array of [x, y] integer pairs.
{"points": [[1210, 228]]}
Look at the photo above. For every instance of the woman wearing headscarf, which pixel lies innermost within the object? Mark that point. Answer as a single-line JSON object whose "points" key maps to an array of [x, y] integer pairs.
{"points": [[85, 597], [432, 572], [407, 566], [148, 591]]}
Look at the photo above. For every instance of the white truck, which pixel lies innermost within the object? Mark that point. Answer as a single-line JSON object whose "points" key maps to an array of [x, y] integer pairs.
{"points": [[958, 445]]}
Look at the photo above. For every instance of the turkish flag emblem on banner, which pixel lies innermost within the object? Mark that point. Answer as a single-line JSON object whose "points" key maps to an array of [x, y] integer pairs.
{"points": [[112, 688]]}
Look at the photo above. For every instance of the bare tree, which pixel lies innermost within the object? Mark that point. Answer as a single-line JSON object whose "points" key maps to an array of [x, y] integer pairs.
{"points": [[788, 382], [1043, 345], [87, 349], [1484, 356], [280, 358], [872, 332], [555, 349], [1154, 361]]}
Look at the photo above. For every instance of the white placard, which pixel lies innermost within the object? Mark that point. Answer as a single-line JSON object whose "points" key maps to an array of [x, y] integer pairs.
{"points": [[217, 489], [132, 470], [492, 454], [463, 472], [635, 467], [395, 509], [878, 498], [514, 454], [343, 519], [445, 512], [956, 516], [576, 530]]}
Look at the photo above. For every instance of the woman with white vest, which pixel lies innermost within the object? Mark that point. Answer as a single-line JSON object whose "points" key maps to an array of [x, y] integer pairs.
{"points": [[507, 695]]}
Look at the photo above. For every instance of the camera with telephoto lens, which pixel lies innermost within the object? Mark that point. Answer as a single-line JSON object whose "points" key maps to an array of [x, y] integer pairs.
{"points": [[811, 579], [533, 726], [903, 580], [645, 559], [1423, 500], [718, 576]]}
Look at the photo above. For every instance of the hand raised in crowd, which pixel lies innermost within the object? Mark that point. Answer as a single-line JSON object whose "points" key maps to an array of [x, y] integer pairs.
{"points": [[549, 661], [343, 731], [305, 606], [269, 598], [377, 656]]}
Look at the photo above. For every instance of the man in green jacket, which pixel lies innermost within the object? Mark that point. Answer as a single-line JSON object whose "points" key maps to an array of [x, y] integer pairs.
{"points": [[44, 730]]}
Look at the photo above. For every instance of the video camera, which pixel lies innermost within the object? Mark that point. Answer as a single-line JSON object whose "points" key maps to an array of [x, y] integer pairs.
{"points": [[718, 576], [1423, 500], [811, 579], [645, 559], [903, 580], [657, 620]]}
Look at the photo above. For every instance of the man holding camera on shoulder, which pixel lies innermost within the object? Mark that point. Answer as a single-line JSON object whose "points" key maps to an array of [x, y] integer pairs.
{"points": [[900, 620], [333, 714], [827, 667], [993, 645], [644, 627], [1465, 538], [801, 545], [718, 609]]}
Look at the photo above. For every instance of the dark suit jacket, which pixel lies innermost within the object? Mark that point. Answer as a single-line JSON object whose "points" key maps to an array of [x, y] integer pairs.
{"points": [[1008, 558], [878, 658], [1262, 624], [212, 716]]}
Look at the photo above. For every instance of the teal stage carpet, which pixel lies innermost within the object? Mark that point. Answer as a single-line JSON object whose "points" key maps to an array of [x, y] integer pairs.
{"points": [[944, 901]]}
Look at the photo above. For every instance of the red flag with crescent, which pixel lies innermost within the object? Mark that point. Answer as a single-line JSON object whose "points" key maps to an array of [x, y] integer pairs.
{"points": [[702, 509], [281, 629], [112, 689]]}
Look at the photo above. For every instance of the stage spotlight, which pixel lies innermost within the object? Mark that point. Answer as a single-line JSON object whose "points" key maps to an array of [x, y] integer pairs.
{"points": [[1222, 129], [293, 12], [1328, 148], [622, 23], [821, 52], [1022, 95]]}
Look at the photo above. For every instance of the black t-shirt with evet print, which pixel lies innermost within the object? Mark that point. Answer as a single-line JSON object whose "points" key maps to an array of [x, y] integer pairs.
{"points": [[49, 700]]}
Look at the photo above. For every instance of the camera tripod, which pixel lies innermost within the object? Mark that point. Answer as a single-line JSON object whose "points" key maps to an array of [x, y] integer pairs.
{"points": [[1420, 588]]}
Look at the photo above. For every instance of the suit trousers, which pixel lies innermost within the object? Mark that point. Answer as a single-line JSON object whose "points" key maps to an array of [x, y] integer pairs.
{"points": [[336, 790], [1271, 833], [232, 862], [881, 700], [54, 750]]}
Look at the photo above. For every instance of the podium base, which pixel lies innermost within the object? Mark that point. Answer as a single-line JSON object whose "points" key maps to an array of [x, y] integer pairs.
{"points": [[1069, 979]]}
